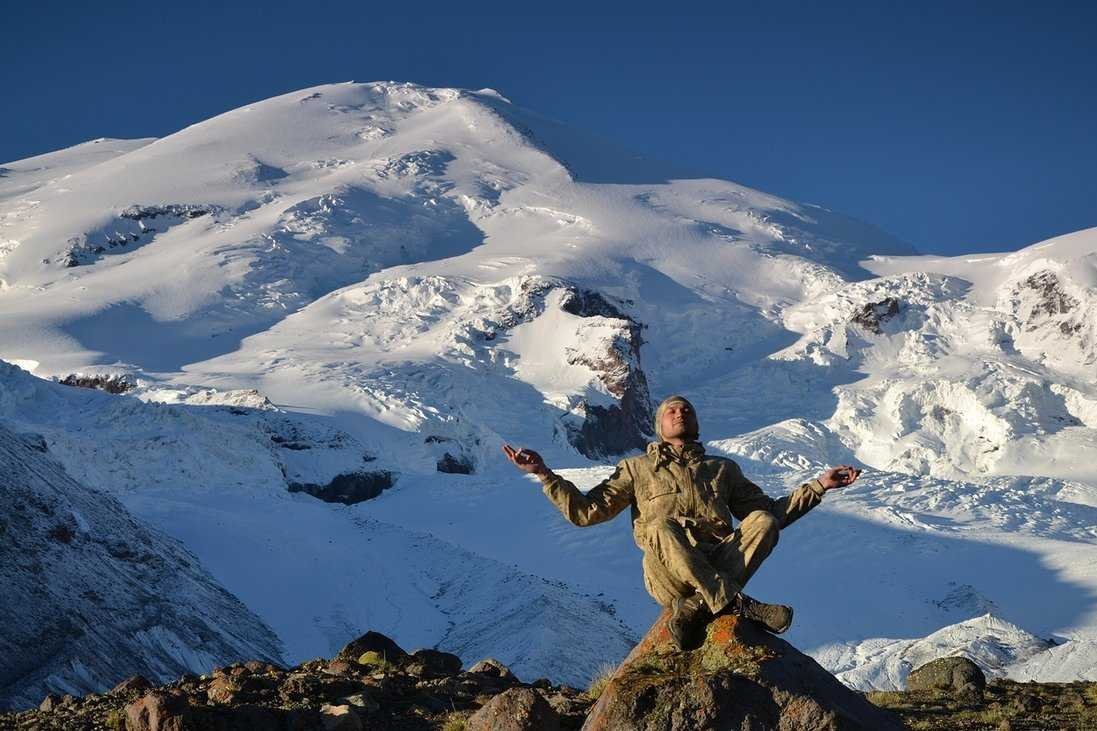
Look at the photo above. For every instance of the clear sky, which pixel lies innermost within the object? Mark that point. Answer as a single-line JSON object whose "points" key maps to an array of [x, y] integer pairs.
{"points": [[957, 126]]}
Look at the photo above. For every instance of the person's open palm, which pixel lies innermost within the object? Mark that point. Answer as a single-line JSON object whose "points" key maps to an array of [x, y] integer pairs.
{"points": [[839, 477], [526, 460]]}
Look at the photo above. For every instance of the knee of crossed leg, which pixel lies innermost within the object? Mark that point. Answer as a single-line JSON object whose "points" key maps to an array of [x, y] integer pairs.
{"points": [[763, 524]]}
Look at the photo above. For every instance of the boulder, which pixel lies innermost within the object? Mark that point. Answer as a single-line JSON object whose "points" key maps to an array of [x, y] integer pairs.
{"points": [[957, 675], [132, 684], [517, 709], [159, 711], [493, 668], [223, 690], [741, 677], [372, 642], [429, 663], [340, 667], [340, 718]]}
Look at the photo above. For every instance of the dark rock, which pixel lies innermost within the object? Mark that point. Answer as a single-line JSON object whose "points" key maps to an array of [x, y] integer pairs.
{"points": [[159, 711], [63, 533], [955, 674], [1053, 300], [517, 709], [258, 666], [873, 314], [429, 663], [454, 465], [372, 642], [493, 669], [739, 678], [132, 684], [348, 489], [361, 701]]}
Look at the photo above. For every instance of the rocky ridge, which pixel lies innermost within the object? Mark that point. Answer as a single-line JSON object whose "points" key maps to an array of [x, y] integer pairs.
{"points": [[740, 678], [370, 683]]}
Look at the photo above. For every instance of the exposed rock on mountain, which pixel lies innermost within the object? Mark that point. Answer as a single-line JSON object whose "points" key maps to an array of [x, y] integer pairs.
{"points": [[347, 489], [88, 595], [111, 382], [134, 227]]}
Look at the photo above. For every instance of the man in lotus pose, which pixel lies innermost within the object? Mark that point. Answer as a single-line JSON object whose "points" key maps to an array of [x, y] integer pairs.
{"points": [[683, 503]]}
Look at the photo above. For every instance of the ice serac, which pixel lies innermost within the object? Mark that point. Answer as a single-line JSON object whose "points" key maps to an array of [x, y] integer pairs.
{"points": [[89, 595]]}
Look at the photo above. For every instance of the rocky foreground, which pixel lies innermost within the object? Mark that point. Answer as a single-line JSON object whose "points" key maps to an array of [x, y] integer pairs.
{"points": [[740, 678]]}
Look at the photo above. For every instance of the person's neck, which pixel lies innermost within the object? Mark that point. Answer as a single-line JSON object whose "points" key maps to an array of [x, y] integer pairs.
{"points": [[679, 442]]}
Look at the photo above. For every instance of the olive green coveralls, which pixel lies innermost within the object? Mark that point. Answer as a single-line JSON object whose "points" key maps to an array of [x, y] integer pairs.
{"points": [[683, 502]]}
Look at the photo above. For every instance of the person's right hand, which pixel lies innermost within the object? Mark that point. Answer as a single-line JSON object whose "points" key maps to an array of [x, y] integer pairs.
{"points": [[526, 460]]}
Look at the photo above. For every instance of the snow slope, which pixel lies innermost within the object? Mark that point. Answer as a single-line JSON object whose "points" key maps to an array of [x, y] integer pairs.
{"points": [[397, 277], [90, 596]]}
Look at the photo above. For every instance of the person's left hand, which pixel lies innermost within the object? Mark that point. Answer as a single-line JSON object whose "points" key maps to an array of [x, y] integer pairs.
{"points": [[840, 476]]}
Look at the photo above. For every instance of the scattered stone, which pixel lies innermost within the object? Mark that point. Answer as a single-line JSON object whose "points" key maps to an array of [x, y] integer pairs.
{"points": [[50, 702], [158, 711], [132, 684], [517, 709], [428, 663], [339, 667], [361, 701], [954, 674], [258, 666], [223, 690], [340, 718], [493, 668], [372, 642]]}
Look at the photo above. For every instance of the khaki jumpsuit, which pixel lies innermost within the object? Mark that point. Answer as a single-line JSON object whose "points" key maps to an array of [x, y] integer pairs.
{"points": [[682, 507]]}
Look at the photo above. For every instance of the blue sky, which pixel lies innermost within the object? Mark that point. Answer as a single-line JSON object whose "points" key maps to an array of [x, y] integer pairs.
{"points": [[957, 126]]}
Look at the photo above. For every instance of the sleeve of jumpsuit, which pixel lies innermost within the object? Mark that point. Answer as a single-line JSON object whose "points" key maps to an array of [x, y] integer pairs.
{"points": [[602, 502], [746, 497]]}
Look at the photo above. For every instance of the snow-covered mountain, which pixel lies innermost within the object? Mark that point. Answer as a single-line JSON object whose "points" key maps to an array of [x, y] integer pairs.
{"points": [[367, 288]]}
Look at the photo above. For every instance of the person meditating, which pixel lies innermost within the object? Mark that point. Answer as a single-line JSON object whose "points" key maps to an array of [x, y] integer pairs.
{"points": [[683, 502]]}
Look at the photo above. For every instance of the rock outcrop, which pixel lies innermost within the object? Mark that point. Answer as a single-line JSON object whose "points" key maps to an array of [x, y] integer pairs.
{"points": [[740, 678]]}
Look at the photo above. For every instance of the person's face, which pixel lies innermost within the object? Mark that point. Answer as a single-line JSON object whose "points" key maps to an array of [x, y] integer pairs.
{"points": [[679, 422]]}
